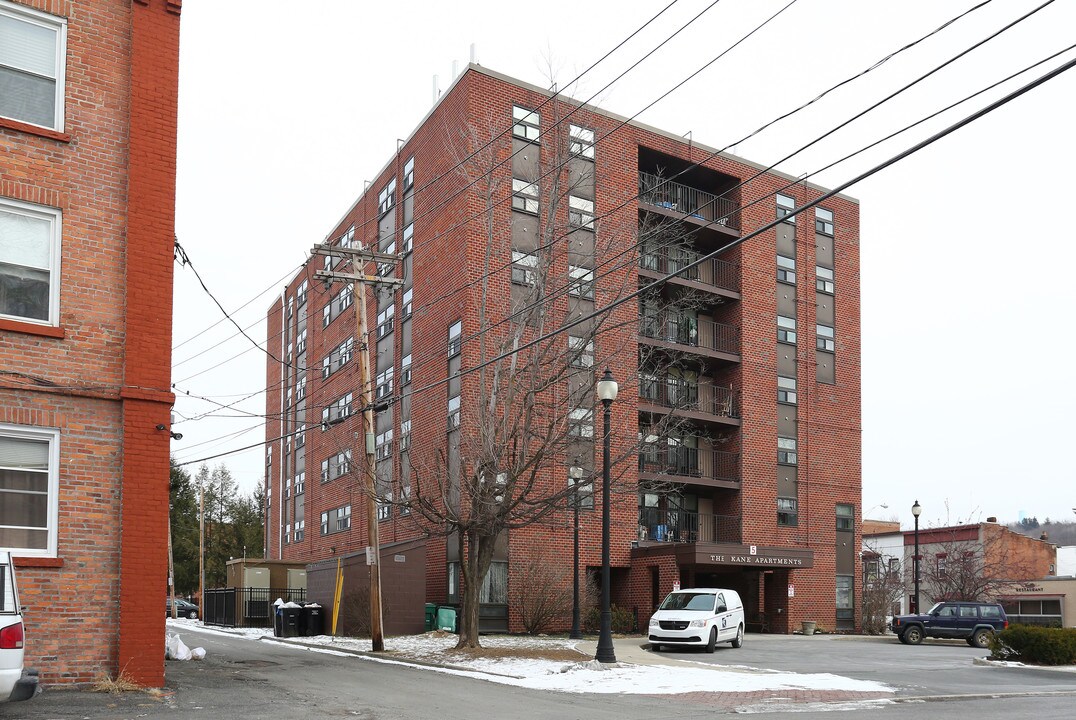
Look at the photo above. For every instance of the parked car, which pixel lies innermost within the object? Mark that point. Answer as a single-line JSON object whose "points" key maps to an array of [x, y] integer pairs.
{"points": [[975, 622], [700, 616], [184, 609], [16, 683]]}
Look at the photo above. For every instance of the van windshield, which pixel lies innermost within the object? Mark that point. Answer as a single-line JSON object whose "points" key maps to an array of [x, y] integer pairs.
{"points": [[702, 602]]}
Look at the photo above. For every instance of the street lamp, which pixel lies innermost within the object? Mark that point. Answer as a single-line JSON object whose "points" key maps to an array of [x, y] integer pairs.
{"points": [[575, 474], [607, 389], [916, 510]]}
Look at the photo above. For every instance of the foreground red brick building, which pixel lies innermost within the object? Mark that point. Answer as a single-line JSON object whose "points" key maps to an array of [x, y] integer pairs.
{"points": [[755, 354], [87, 192]]}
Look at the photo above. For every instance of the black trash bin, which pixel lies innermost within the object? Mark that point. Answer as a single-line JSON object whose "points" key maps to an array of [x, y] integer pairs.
{"points": [[286, 621], [313, 620]]}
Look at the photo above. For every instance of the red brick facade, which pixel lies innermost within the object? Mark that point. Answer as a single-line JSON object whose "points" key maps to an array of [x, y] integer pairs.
{"points": [[449, 245], [100, 373]]}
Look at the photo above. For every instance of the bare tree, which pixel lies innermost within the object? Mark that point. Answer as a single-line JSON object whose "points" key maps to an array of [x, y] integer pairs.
{"points": [[962, 563], [883, 588]]}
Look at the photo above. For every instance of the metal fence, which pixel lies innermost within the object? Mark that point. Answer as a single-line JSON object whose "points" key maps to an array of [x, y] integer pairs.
{"points": [[694, 203], [246, 607]]}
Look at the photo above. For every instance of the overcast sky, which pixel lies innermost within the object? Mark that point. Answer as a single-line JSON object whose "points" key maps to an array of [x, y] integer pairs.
{"points": [[966, 248]]}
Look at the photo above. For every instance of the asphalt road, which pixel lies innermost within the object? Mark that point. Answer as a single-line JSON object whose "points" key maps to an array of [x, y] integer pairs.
{"points": [[247, 679]]}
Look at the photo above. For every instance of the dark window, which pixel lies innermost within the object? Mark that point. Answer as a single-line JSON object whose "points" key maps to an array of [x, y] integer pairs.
{"points": [[846, 517], [787, 512], [823, 221]]}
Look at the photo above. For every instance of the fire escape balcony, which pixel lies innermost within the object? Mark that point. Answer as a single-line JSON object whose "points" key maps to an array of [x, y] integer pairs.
{"points": [[673, 525], [712, 468], [714, 275], [690, 334], [690, 204], [700, 400]]}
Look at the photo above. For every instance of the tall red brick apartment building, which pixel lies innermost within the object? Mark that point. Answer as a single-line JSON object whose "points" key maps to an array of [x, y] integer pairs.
{"points": [[87, 194], [756, 486]]}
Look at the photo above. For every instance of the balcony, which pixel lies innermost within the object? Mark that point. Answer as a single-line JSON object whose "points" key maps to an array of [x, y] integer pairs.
{"points": [[711, 275], [678, 200], [656, 525], [700, 401], [676, 331], [712, 468]]}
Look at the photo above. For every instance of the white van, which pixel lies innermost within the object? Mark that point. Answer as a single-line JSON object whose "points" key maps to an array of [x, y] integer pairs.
{"points": [[699, 616], [14, 683]]}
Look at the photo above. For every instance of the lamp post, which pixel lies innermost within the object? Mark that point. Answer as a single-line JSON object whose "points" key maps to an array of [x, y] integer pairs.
{"points": [[575, 474], [916, 510], [607, 389]]}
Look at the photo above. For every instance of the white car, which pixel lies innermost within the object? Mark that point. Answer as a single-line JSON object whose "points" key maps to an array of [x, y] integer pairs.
{"points": [[15, 684], [699, 616]]}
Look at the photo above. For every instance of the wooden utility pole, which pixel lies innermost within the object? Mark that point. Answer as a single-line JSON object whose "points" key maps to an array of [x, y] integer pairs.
{"points": [[359, 281], [171, 571], [201, 551]]}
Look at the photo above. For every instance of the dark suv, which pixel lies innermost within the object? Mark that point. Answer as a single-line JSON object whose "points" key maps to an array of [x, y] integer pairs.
{"points": [[974, 621]]}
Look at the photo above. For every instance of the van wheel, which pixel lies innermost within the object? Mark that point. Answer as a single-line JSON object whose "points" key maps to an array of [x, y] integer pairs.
{"points": [[981, 638], [738, 642], [913, 635], [654, 647], [711, 644]]}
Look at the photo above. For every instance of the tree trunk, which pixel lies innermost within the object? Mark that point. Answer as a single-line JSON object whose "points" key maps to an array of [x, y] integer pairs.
{"points": [[474, 567]]}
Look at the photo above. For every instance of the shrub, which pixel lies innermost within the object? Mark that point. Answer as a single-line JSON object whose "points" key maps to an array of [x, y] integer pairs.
{"points": [[542, 592], [1035, 644], [623, 620]]}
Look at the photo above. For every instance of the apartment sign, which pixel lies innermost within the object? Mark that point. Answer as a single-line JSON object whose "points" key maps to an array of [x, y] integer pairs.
{"points": [[756, 556]]}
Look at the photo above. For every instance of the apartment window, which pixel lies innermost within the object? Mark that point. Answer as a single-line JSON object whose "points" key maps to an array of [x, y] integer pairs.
{"points": [[344, 352], [287, 398], [407, 296], [580, 212], [454, 412], [846, 517], [785, 206], [343, 463], [32, 53], [325, 470], [405, 370], [385, 321], [287, 533], [29, 255], [337, 411], [824, 340], [523, 268], [823, 280], [300, 483], [300, 437], [455, 333], [343, 518], [823, 221], [409, 174], [343, 300], [300, 293], [581, 423], [941, 559], [383, 386], [325, 523], [524, 196], [300, 390], [291, 308], [581, 351], [581, 141], [525, 123], [408, 239], [383, 446], [29, 478], [787, 512], [300, 530], [583, 489], [495, 585], [786, 329], [786, 269], [384, 506], [581, 282], [845, 592], [786, 451], [786, 390], [386, 199], [405, 434], [326, 315], [386, 268], [300, 342], [349, 237]]}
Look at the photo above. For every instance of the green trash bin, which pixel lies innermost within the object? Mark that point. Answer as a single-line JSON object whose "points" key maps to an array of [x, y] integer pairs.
{"points": [[446, 619], [431, 616]]}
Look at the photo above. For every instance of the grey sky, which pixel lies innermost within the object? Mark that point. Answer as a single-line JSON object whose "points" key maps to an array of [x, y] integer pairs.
{"points": [[966, 255]]}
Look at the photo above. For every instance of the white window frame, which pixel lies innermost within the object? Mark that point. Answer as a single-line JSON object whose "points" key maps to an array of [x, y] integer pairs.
{"points": [[453, 412], [581, 141], [785, 206], [408, 297], [386, 199], [580, 212], [524, 196], [524, 268], [581, 282], [823, 279], [54, 216], [52, 436], [786, 269], [405, 370], [384, 382], [825, 338], [786, 390], [455, 338], [823, 221], [581, 422], [786, 329], [58, 25], [581, 351], [385, 321], [409, 174], [787, 453], [408, 239], [526, 124]]}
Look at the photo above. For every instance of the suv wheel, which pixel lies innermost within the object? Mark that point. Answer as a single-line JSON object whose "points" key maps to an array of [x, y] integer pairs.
{"points": [[711, 644], [913, 635], [981, 638], [193, 615]]}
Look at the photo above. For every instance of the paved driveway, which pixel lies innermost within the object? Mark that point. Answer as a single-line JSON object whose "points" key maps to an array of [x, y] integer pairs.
{"points": [[935, 668]]}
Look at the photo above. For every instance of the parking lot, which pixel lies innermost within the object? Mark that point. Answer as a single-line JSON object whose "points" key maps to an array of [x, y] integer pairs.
{"points": [[935, 668]]}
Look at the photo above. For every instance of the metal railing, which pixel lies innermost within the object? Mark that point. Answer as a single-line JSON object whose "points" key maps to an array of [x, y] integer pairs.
{"points": [[672, 525], [246, 607], [691, 331], [714, 272], [691, 462], [676, 393], [654, 190]]}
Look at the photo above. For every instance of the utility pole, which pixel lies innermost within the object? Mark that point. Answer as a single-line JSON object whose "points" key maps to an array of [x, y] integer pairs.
{"points": [[171, 570], [359, 257], [201, 551]]}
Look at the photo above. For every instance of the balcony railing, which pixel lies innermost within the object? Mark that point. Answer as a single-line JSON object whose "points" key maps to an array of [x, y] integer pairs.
{"points": [[654, 190], [675, 393], [714, 272], [691, 463], [658, 525], [691, 332]]}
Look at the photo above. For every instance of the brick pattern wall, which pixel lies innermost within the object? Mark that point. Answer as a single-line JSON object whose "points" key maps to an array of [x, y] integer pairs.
{"points": [[112, 173]]}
